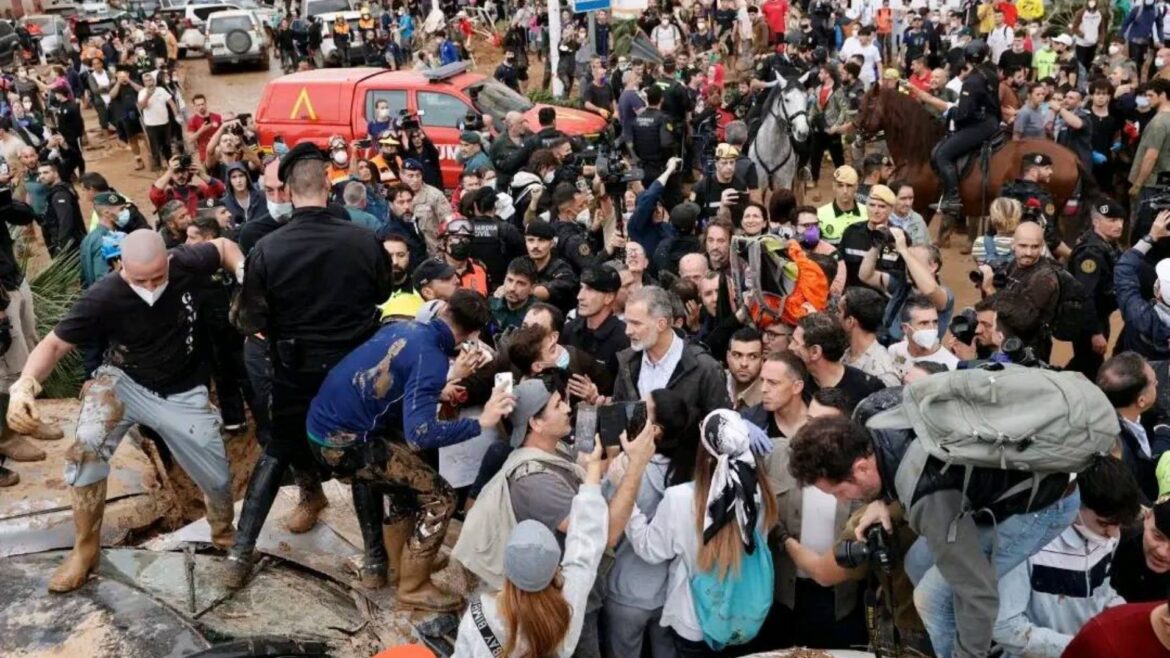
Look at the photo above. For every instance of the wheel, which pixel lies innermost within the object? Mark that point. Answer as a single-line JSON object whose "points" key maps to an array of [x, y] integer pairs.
{"points": [[182, 53], [265, 60]]}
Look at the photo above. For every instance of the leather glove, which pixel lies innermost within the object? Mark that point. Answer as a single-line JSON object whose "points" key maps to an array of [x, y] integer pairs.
{"points": [[22, 406]]}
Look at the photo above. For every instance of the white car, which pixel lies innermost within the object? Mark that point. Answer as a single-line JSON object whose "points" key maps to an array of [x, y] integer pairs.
{"points": [[52, 34], [328, 11], [235, 37]]}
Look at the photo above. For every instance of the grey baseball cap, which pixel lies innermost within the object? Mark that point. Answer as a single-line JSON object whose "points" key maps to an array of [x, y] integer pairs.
{"points": [[531, 397], [532, 556]]}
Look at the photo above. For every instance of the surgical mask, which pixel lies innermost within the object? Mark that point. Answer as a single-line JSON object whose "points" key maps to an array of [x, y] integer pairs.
{"points": [[278, 210], [1114, 49], [1141, 101], [279, 148], [340, 157], [584, 218], [927, 339], [810, 237], [548, 178], [383, 115], [1089, 535], [1159, 62], [149, 296], [563, 359], [490, 184], [123, 217], [459, 250]]}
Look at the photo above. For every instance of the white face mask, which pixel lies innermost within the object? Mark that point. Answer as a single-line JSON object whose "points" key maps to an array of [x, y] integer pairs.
{"points": [[927, 339], [548, 178], [383, 115], [1159, 62], [1114, 49], [149, 296], [584, 218], [1089, 535], [340, 157], [278, 210], [563, 359]]}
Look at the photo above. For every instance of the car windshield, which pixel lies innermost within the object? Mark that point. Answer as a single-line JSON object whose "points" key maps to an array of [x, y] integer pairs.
{"points": [[494, 98], [318, 7], [247, 4], [225, 24]]}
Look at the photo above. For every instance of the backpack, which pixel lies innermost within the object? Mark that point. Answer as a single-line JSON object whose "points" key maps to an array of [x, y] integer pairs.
{"points": [[732, 609], [1010, 418], [1069, 319]]}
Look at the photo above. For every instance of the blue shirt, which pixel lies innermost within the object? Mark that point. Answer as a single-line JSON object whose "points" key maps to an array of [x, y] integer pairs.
{"points": [[448, 53], [406, 26], [394, 378]]}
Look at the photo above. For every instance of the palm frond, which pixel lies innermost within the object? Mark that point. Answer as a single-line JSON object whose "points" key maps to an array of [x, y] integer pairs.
{"points": [[55, 289]]}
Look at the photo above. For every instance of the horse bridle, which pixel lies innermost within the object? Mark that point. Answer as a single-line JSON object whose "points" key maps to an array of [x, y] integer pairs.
{"points": [[785, 119]]}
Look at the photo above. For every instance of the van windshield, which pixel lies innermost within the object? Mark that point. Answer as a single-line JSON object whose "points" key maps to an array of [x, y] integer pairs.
{"points": [[495, 98], [317, 7]]}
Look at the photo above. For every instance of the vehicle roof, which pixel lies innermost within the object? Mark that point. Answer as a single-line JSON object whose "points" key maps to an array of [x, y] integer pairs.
{"points": [[403, 79], [230, 13]]}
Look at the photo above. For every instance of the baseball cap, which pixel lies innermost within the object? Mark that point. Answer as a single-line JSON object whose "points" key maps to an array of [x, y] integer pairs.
{"points": [[110, 198], [845, 174], [1109, 208], [891, 74], [431, 270], [532, 556], [540, 229], [456, 225], [411, 164], [532, 397], [212, 204], [1039, 159], [601, 278], [1064, 39], [1161, 512], [883, 194], [684, 216]]}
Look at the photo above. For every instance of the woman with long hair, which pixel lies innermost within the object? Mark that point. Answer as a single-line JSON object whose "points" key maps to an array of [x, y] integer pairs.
{"points": [[635, 589], [541, 608], [710, 525]]}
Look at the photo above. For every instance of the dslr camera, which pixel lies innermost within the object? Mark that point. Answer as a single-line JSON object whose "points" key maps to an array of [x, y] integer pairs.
{"points": [[963, 326], [1161, 199], [999, 277], [877, 550]]}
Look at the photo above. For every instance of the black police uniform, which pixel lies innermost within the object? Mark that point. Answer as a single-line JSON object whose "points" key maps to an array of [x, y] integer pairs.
{"points": [[602, 343], [495, 243], [560, 280], [976, 118], [544, 138], [575, 245], [1092, 263], [676, 103], [507, 74], [1031, 194], [654, 142]]}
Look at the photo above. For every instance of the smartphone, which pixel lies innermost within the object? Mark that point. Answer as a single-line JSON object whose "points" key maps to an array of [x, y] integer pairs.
{"points": [[586, 430], [635, 419], [504, 381], [611, 422]]}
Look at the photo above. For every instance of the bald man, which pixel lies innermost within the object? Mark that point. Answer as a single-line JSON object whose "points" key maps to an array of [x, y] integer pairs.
{"points": [[693, 267], [507, 153], [152, 376], [1032, 274]]}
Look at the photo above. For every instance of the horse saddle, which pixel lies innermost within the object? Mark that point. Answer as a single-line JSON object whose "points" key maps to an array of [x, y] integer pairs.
{"points": [[966, 161]]}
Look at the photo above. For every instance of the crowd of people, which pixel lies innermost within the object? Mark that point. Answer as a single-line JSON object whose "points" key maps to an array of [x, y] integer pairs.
{"points": [[709, 418]]}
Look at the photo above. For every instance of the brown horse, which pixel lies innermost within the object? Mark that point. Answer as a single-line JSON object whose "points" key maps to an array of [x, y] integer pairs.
{"points": [[911, 133]]}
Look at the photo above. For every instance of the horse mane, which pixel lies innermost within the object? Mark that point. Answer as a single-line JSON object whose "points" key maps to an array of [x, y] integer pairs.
{"points": [[910, 129]]}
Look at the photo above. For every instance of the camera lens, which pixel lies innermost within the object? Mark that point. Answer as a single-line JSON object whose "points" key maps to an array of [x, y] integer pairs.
{"points": [[976, 277], [851, 554]]}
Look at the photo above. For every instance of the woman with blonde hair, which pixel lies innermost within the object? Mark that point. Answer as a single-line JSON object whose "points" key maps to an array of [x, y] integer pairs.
{"points": [[541, 608], [712, 530], [995, 247]]}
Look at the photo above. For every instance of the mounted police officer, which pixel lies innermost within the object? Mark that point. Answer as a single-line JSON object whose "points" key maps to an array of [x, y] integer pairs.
{"points": [[1092, 262], [494, 242], [1031, 191], [976, 117]]}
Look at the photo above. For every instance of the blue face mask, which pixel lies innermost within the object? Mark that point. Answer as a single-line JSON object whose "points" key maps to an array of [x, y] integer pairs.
{"points": [[279, 148], [563, 359], [123, 218]]}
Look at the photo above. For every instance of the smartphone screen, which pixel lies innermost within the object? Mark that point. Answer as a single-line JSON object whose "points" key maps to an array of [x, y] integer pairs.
{"points": [[611, 422], [586, 430]]}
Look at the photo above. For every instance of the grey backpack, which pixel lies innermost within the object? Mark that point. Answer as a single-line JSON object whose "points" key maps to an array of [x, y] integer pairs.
{"points": [[1010, 418]]}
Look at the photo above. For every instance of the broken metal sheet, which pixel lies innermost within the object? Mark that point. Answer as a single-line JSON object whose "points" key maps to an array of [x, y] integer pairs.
{"points": [[104, 619]]}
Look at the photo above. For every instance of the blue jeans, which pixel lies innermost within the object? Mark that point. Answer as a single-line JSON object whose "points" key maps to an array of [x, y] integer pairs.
{"points": [[1007, 544]]}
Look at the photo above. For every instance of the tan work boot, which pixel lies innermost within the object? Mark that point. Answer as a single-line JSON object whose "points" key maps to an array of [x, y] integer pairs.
{"points": [[8, 477], [395, 536], [219, 518], [89, 504], [19, 449], [304, 515], [415, 589], [47, 432]]}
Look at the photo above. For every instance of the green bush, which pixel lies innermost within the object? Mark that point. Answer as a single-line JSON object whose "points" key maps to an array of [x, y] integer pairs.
{"points": [[54, 290]]}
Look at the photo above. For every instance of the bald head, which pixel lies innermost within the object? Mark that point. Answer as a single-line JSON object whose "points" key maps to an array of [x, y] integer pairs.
{"points": [[145, 264], [142, 246], [693, 267], [1028, 243]]}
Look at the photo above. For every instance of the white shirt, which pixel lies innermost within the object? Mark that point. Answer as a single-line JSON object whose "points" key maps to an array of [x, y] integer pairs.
{"points": [[654, 376], [155, 111], [999, 40], [900, 353], [665, 37], [871, 55], [1090, 29], [818, 520]]}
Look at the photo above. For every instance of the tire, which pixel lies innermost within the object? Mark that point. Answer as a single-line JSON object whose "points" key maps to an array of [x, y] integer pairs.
{"points": [[238, 42], [212, 67], [265, 61]]}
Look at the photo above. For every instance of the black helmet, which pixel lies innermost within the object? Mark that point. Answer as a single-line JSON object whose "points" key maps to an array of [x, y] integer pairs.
{"points": [[976, 52]]}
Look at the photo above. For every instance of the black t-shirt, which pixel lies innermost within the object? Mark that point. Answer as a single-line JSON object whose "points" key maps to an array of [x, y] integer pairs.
{"points": [[709, 194], [856, 241], [1104, 130], [600, 95], [154, 345], [857, 384]]}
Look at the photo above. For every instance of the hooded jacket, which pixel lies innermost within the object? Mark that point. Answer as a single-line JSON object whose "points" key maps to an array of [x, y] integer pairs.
{"points": [[257, 205]]}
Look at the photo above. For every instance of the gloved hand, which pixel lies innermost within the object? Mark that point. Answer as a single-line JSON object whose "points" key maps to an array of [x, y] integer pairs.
{"points": [[22, 406], [5, 336], [1098, 158], [761, 444]]}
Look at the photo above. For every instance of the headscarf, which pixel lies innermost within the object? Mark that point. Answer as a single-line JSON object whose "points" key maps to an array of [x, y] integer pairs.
{"points": [[734, 494]]}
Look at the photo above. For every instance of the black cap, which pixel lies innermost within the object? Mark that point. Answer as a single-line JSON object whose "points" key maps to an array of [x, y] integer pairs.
{"points": [[601, 278], [684, 216], [541, 229], [1038, 159], [1109, 208], [1161, 514], [411, 164], [302, 151], [429, 270]]}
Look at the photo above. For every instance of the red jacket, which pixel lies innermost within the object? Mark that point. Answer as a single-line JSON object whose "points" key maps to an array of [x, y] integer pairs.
{"points": [[775, 15], [190, 195]]}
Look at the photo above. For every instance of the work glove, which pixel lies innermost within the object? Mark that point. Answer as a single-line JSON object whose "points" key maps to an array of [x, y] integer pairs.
{"points": [[22, 406]]}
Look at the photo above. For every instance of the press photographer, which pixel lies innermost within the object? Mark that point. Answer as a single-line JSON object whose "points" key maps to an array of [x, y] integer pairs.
{"points": [[417, 146], [185, 180]]}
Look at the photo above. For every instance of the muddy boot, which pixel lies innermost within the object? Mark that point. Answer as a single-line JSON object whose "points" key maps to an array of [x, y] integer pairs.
{"points": [[313, 500], [395, 536], [367, 503], [19, 449], [89, 504], [262, 489], [46, 432], [8, 477], [219, 518], [415, 589]]}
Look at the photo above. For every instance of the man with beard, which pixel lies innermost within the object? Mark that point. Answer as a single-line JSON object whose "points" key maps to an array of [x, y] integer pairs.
{"points": [[507, 151], [61, 223], [430, 207], [514, 297], [744, 359], [717, 244], [401, 221], [660, 358], [398, 249], [1032, 275]]}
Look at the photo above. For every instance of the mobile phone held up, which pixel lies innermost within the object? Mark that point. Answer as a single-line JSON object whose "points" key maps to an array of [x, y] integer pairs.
{"points": [[585, 433], [618, 417], [504, 381]]}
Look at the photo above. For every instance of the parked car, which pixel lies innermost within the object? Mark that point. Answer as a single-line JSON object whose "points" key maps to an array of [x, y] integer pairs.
{"points": [[312, 105], [235, 37], [328, 11], [52, 34]]}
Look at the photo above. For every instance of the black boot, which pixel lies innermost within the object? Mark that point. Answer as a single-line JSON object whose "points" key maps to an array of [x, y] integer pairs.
{"points": [[367, 503], [262, 488], [948, 175]]}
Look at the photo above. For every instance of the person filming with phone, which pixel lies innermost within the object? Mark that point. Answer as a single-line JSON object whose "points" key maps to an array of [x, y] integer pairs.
{"points": [[724, 189]]}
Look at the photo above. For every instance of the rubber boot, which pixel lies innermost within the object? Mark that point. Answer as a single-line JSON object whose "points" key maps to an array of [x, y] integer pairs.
{"points": [[395, 535], [47, 432], [415, 589], [89, 504], [19, 449], [304, 515], [367, 503], [8, 477], [219, 518], [262, 490]]}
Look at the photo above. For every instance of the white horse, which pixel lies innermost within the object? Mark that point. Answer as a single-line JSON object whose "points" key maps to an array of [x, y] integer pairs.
{"points": [[785, 122]]}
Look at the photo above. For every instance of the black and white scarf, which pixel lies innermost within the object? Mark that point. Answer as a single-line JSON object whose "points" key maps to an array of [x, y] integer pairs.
{"points": [[734, 494]]}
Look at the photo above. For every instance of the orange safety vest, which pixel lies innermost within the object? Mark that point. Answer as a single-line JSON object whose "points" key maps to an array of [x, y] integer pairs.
{"points": [[366, 23], [475, 278], [341, 27]]}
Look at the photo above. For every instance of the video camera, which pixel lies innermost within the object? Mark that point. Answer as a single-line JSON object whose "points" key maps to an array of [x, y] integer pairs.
{"points": [[877, 550], [472, 121], [408, 120], [999, 277], [613, 170]]}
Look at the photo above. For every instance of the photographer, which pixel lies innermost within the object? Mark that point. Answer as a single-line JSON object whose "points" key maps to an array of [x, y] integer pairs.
{"points": [[1029, 189], [185, 180], [921, 276], [648, 223], [417, 146], [228, 145], [859, 238], [1146, 323], [1032, 275]]}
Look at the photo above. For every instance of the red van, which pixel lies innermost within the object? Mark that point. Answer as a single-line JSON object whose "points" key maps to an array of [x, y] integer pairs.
{"points": [[313, 105]]}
